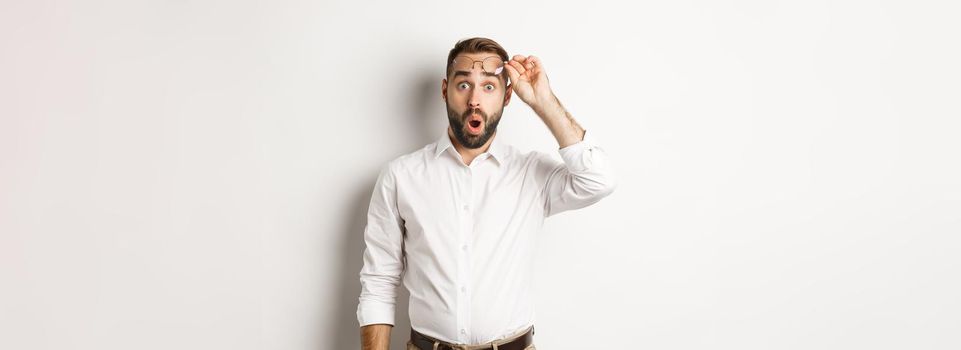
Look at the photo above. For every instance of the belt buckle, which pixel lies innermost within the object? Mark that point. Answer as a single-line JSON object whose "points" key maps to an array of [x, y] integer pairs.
{"points": [[449, 346], [461, 347]]}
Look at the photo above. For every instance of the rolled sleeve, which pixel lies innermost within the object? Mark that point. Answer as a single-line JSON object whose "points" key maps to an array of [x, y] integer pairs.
{"points": [[583, 178], [384, 256], [372, 312]]}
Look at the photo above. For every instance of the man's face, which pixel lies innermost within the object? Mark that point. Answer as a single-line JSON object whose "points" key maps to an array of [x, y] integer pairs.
{"points": [[475, 101]]}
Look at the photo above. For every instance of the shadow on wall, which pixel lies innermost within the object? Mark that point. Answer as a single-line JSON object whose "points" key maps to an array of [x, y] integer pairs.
{"points": [[346, 331]]}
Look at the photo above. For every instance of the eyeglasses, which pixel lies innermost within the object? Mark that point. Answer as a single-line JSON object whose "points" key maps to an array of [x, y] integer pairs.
{"points": [[491, 64]]}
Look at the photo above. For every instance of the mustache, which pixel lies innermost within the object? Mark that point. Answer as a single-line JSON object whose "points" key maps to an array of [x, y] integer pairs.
{"points": [[477, 111]]}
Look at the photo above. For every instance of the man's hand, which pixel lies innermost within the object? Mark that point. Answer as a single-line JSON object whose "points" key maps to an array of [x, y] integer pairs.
{"points": [[375, 337], [529, 81]]}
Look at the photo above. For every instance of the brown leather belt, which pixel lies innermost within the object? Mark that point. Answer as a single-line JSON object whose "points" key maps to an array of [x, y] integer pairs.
{"points": [[424, 342]]}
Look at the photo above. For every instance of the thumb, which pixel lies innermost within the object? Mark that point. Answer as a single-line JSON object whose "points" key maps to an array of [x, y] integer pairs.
{"points": [[512, 73]]}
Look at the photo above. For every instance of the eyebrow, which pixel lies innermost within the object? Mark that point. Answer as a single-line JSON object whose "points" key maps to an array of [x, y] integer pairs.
{"points": [[466, 73]]}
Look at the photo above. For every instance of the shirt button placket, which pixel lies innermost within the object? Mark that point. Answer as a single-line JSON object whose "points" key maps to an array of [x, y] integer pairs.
{"points": [[467, 225]]}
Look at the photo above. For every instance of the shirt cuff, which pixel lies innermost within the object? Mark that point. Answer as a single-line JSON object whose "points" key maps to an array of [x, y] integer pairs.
{"points": [[372, 312], [577, 156]]}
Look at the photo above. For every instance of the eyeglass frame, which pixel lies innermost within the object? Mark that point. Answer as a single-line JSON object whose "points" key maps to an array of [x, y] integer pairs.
{"points": [[502, 67]]}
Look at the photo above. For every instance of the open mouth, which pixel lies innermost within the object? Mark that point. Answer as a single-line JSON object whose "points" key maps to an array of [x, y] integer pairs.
{"points": [[475, 124]]}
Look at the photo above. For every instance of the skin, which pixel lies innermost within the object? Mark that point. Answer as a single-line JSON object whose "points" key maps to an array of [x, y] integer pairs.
{"points": [[468, 91], [529, 82], [473, 92]]}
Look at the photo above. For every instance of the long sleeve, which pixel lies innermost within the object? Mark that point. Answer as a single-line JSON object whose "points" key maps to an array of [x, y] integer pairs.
{"points": [[584, 178], [384, 256]]}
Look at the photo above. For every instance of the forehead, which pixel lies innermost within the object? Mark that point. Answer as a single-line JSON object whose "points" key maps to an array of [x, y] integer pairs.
{"points": [[477, 56], [476, 72]]}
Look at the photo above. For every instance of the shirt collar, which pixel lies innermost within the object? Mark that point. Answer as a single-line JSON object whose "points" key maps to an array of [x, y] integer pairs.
{"points": [[497, 149]]}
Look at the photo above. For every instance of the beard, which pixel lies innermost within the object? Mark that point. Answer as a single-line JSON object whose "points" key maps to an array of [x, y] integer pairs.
{"points": [[458, 123]]}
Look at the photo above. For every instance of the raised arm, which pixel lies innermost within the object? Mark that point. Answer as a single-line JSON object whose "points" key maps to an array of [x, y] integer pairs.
{"points": [[585, 175], [529, 82]]}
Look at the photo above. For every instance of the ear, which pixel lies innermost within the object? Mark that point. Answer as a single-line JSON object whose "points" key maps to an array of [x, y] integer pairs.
{"points": [[443, 89], [507, 95]]}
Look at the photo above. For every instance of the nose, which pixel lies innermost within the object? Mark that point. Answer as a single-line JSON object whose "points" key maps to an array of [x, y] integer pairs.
{"points": [[474, 100]]}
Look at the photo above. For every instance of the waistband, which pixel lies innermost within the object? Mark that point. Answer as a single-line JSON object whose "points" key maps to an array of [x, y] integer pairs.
{"points": [[517, 341]]}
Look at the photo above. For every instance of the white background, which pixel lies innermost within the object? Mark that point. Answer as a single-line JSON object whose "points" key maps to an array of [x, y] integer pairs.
{"points": [[195, 175]]}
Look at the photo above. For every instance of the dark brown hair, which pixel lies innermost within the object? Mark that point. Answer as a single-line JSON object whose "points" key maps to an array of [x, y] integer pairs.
{"points": [[476, 45]]}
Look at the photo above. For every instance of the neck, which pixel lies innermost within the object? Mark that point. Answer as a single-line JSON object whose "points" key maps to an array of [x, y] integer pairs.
{"points": [[468, 154]]}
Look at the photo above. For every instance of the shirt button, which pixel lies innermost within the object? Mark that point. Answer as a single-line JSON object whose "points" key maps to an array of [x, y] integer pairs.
{"points": [[463, 247], [463, 331], [463, 289], [466, 207]]}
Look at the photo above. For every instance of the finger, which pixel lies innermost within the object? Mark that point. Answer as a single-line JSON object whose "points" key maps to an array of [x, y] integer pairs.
{"points": [[512, 73], [519, 58], [533, 62], [529, 63], [517, 66], [536, 65]]}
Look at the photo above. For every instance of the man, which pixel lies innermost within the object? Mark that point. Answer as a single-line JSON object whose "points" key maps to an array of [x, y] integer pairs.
{"points": [[458, 219]]}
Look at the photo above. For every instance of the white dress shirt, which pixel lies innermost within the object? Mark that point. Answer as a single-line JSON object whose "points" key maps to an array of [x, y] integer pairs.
{"points": [[463, 238]]}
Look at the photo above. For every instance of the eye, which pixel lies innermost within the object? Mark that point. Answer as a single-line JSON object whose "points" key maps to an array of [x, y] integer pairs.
{"points": [[489, 87], [462, 85]]}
